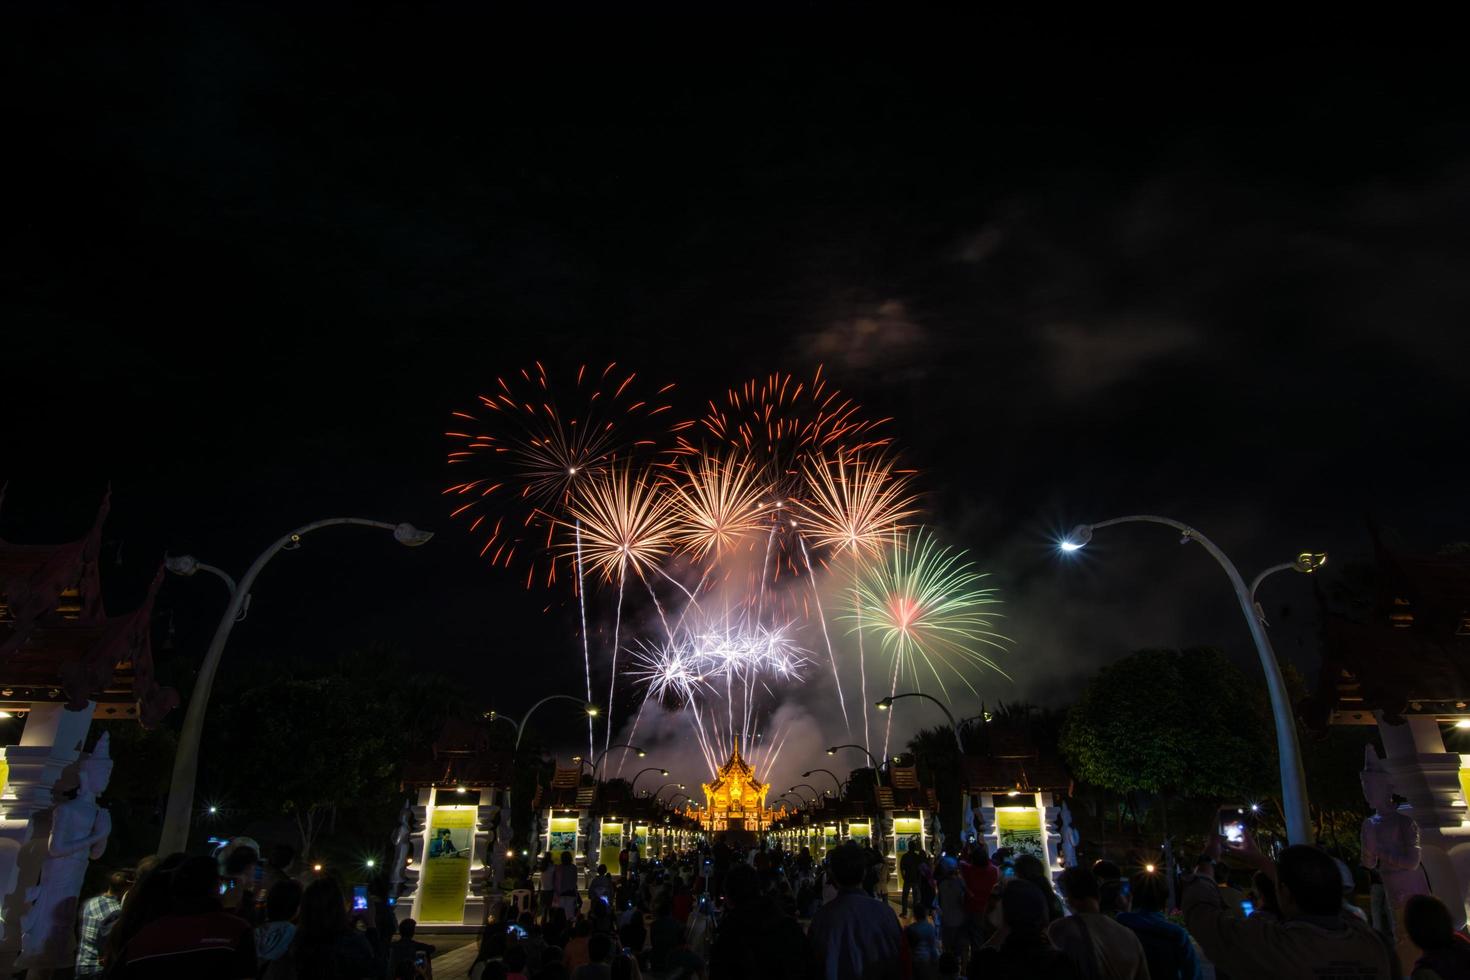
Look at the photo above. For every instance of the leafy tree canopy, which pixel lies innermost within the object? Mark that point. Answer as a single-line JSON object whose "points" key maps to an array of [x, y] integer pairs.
{"points": [[1178, 723]]}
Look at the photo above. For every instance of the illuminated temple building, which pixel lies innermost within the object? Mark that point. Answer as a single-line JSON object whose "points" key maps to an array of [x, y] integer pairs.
{"points": [[736, 800]]}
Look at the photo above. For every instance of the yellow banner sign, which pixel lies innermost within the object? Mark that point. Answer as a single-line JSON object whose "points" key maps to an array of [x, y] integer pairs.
{"points": [[445, 880]]}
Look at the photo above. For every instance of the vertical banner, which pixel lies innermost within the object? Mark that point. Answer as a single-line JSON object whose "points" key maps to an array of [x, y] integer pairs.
{"points": [[445, 879], [563, 837], [1020, 830], [611, 844], [907, 831]]}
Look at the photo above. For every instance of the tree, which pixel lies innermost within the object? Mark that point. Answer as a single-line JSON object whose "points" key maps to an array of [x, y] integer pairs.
{"points": [[327, 750], [937, 758], [1174, 723]]}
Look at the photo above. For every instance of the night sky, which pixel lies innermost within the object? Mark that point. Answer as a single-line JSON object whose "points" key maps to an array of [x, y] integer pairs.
{"points": [[255, 259]]}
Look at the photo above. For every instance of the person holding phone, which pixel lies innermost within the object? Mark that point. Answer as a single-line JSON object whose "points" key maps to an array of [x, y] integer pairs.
{"points": [[409, 952], [1312, 939]]}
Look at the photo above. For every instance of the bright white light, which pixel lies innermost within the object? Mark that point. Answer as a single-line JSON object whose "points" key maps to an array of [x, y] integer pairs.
{"points": [[1149, 868], [1069, 546], [1463, 723], [370, 862]]}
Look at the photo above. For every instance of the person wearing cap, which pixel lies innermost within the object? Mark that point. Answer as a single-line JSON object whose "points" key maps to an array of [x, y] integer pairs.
{"points": [[1024, 952]]}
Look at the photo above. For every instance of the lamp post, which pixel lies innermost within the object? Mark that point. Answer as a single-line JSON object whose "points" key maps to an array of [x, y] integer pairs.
{"points": [[664, 787], [180, 805], [597, 764], [809, 786], [1293, 780], [793, 796], [877, 766], [830, 775], [520, 726], [676, 796], [887, 703], [634, 784]]}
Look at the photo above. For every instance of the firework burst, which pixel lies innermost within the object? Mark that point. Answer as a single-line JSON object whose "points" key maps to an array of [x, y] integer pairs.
{"points": [[717, 503], [528, 443], [855, 506], [624, 522], [670, 672], [925, 605], [780, 421]]}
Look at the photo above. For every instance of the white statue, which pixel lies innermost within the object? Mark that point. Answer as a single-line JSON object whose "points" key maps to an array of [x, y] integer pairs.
{"points": [[1070, 837], [79, 830], [1391, 846]]}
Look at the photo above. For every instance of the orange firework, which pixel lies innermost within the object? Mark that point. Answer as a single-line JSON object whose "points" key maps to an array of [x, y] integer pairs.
{"points": [[526, 450], [779, 422], [855, 505], [620, 522], [717, 503]]}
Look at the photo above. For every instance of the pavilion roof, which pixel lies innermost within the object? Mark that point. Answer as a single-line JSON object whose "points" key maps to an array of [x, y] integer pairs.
{"points": [[1404, 648], [57, 641], [904, 791], [461, 756]]}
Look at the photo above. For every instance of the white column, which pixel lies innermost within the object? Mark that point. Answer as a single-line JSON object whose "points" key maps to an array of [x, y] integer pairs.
{"points": [[41, 766]]}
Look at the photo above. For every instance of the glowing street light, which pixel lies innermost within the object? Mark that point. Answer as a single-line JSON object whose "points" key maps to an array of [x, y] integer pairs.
{"points": [[1293, 779]]}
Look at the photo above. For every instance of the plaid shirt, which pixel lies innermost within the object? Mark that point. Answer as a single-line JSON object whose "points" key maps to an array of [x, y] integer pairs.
{"points": [[95, 912]]}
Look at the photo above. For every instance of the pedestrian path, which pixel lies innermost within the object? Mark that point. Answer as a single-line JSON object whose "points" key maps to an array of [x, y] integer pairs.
{"points": [[456, 963]]}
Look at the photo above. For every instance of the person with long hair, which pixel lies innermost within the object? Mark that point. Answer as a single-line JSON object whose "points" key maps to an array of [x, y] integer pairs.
{"points": [[327, 944], [146, 901]]}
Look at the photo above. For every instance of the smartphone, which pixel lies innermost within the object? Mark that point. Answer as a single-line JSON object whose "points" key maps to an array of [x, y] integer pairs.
{"points": [[420, 958], [359, 898], [1247, 907], [514, 930], [1233, 831]]}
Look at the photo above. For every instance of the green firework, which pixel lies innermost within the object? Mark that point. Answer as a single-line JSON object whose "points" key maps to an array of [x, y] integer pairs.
{"points": [[925, 605]]}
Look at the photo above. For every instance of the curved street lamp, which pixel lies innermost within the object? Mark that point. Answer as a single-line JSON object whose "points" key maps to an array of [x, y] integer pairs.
{"points": [[180, 805], [634, 784], [621, 745], [1293, 779], [830, 774], [877, 766], [664, 787], [815, 795], [887, 703], [520, 726]]}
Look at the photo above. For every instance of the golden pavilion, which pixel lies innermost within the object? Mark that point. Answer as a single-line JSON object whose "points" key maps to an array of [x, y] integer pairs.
{"points": [[736, 800]]}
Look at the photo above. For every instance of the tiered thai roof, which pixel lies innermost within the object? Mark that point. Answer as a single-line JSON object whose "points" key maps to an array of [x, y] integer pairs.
{"points": [[904, 791], [1013, 762], [566, 792], [1401, 646], [57, 642], [461, 756], [735, 793]]}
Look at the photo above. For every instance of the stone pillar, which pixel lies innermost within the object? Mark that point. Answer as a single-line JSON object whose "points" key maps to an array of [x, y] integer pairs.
{"points": [[1421, 771], [488, 865], [418, 820], [42, 766], [1051, 831], [985, 827]]}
